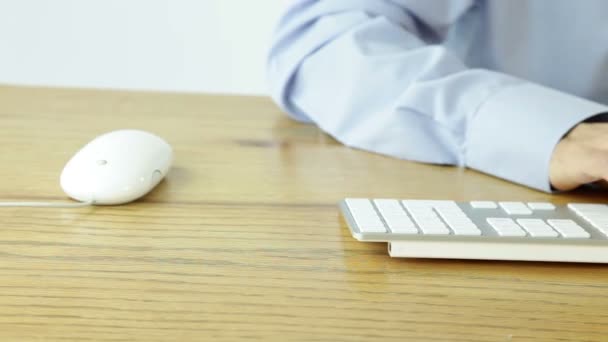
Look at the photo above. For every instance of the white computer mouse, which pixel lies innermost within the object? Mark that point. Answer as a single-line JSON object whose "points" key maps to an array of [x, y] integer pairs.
{"points": [[117, 167]]}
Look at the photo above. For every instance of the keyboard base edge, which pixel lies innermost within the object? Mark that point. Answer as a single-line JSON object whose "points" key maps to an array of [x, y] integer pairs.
{"points": [[483, 251]]}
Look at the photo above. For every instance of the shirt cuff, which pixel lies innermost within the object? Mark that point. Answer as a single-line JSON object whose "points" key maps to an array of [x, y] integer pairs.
{"points": [[514, 131]]}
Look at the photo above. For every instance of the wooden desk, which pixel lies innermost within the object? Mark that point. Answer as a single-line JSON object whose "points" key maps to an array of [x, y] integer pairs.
{"points": [[244, 239]]}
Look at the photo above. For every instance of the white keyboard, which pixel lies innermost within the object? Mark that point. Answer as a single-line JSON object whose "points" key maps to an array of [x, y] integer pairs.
{"points": [[577, 232]]}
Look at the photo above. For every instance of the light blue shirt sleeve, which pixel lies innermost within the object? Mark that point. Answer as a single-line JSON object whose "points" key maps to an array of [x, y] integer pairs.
{"points": [[375, 75]]}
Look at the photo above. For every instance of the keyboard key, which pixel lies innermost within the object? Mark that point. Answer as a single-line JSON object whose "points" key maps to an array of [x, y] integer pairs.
{"points": [[395, 216], [483, 205], [511, 233], [569, 229], [468, 232], [603, 230], [365, 215], [515, 208], [451, 212], [541, 206], [501, 222], [457, 220], [461, 224], [599, 223], [537, 228], [595, 214], [417, 204], [432, 226], [423, 213], [505, 226], [587, 207], [435, 230], [464, 228]]}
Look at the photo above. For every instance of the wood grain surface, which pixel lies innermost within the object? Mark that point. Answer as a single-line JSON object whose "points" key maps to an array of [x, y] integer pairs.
{"points": [[244, 241]]}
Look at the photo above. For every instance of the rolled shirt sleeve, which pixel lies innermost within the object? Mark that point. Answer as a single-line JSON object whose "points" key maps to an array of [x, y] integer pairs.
{"points": [[367, 73], [513, 134]]}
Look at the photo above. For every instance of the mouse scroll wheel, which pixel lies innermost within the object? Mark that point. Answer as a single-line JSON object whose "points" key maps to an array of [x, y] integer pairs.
{"points": [[102, 162], [157, 175]]}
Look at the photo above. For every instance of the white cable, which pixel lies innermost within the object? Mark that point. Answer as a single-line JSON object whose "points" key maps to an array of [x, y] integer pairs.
{"points": [[44, 205]]}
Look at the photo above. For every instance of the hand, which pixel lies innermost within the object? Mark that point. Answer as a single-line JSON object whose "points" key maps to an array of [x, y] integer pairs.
{"points": [[581, 157]]}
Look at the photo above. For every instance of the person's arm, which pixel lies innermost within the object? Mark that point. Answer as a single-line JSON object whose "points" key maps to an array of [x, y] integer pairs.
{"points": [[371, 74]]}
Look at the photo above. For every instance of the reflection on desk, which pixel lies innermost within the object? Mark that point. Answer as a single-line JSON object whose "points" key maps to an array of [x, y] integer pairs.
{"points": [[244, 239]]}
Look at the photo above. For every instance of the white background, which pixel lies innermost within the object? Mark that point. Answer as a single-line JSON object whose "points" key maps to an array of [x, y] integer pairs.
{"points": [[214, 46]]}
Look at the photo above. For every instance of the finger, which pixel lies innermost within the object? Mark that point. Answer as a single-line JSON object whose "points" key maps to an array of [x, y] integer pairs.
{"points": [[589, 131], [574, 164], [593, 165]]}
